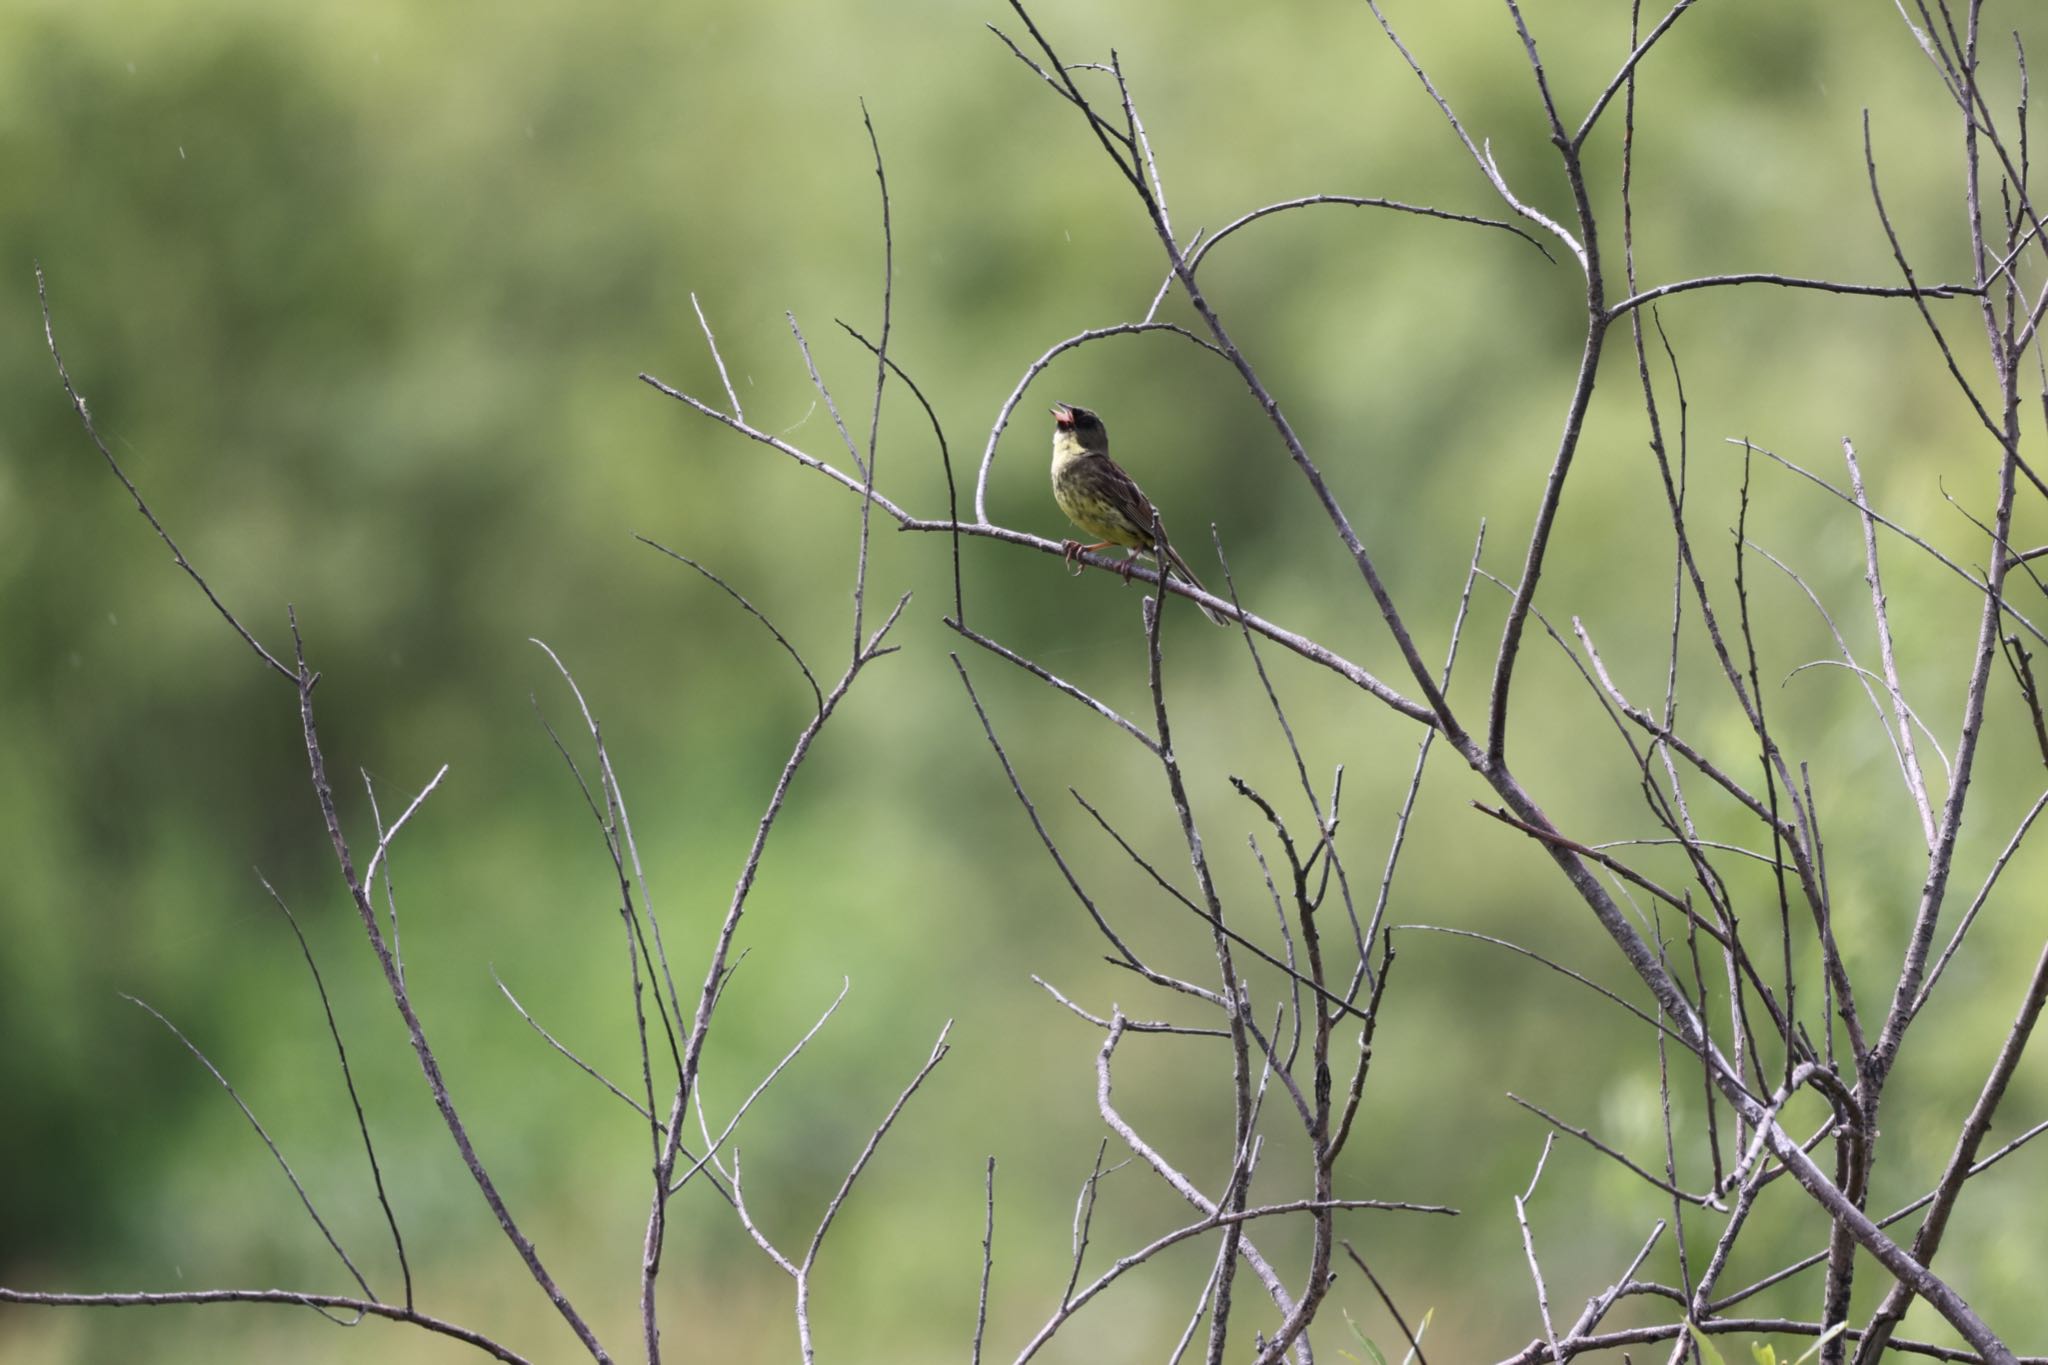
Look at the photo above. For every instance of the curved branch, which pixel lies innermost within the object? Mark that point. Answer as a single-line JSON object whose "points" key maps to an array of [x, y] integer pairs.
{"points": [[988, 454], [1196, 254]]}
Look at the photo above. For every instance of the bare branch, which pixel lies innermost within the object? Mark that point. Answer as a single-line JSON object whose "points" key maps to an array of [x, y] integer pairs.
{"points": [[1484, 158], [1196, 253], [712, 1145], [430, 1065], [349, 1081], [1130, 1025], [1977, 903], [881, 349], [555, 1043], [817, 693], [1037, 367], [1626, 75], [385, 837], [988, 1260], [938, 1054], [753, 433], [1915, 783], [1529, 1247], [1414, 1342], [367, 1307], [945, 455], [1950, 1187], [1868, 291], [305, 1199], [1057, 683], [1125, 955], [731, 394], [1958, 570], [1533, 956], [1704, 1201], [177, 555]]}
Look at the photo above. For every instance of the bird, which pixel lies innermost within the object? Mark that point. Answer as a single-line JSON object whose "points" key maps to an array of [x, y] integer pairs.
{"points": [[1105, 502]]}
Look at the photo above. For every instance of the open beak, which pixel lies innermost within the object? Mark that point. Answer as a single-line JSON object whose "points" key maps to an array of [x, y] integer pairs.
{"points": [[1063, 414]]}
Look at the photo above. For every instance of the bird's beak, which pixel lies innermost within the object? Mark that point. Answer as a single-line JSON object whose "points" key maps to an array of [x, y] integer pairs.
{"points": [[1062, 414]]}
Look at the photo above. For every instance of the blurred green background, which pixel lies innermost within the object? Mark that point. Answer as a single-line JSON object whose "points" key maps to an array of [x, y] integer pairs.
{"points": [[359, 294]]}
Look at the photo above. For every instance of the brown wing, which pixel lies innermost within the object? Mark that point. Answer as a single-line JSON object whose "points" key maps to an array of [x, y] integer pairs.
{"points": [[1131, 502], [1134, 506]]}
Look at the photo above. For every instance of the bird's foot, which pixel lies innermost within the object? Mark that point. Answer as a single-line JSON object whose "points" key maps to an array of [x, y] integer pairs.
{"points": [[1072, 550], [1128, 567]]}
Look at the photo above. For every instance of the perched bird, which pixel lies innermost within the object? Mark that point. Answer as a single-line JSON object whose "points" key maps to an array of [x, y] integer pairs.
{"points": [[1102, 500]]}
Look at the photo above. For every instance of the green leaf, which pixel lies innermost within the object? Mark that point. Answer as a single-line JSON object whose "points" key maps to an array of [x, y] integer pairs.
{"points": [[1421, 1330], [1824, 1339], [1363, 1340], [1707, 1350]]}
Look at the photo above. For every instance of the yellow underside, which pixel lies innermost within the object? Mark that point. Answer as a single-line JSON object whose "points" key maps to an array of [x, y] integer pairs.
{"points": [[1093, 512]]}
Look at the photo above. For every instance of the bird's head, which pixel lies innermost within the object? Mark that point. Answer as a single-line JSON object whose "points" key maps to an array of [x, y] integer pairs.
{"points": [[1081, 427]]}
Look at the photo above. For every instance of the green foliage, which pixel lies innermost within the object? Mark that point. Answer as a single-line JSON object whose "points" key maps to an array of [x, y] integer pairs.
{"points": [[1763, 1353], [1372, 1350]]}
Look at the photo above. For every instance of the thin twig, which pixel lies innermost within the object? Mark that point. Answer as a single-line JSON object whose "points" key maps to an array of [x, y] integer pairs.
{"points": [[988, 1260], [1125, 954], [1871, 291], [945, 455], [803, 1276], [1196, 253], [1705, 1201], [177, 555], [304, 1199], [1057, 683], [1977, 903], [385, 836], [1037, 367], [318, 1302], [881, 349], [731, 394], [348, 1080], [1916, 784], [1529, 1247], [817, 694], [585, 1067], [401, 998], [1414, 1343], [711, 1144]]}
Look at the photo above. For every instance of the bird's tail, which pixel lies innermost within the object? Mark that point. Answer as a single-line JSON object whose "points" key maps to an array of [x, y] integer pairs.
{"points": [[1180, 567]]}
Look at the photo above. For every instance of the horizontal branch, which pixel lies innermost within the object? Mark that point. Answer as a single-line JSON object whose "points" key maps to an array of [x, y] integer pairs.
{"points": [[1280, 635], [368, 1307], [1868, 291], [1221, 607], [1538, 1352]]}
